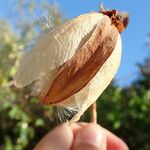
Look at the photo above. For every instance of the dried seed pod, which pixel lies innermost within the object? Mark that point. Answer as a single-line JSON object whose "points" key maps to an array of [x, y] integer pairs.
{"points": [[71, 65], [82, 67]]}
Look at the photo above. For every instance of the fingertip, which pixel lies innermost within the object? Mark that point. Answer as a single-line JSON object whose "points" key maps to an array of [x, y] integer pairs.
{"points": [[114, 142], [60, 137], [76, 127], [90, 137]]}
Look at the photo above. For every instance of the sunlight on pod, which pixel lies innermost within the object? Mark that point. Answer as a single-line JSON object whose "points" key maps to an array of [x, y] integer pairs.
{"points": [[71, 65]]}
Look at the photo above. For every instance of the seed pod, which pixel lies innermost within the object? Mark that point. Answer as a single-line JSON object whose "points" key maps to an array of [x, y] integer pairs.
{"points": [[82, 67], [71, 65]]}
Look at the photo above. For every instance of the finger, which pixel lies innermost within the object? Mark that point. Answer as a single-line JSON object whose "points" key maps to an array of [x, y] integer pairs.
{"points": [[115, 143], [58, 139], [90, 137], [76, 127]]}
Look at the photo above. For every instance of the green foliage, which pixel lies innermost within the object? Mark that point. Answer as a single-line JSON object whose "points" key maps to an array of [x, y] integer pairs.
{"points": [[23, 121], [126, 113]]}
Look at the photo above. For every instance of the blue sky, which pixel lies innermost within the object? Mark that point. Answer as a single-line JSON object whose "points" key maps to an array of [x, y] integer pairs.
{"points": [[134, 50]]}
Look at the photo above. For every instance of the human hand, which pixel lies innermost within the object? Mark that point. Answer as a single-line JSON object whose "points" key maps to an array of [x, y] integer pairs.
{"points": [[81, 136]]}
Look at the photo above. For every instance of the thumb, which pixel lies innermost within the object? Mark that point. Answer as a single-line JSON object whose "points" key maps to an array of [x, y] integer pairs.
{"points": [[90, 137]]}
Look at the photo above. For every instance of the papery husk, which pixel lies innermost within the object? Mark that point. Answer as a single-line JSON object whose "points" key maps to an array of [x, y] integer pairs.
{"points": [[83, 66], [53, 49], [38, 67]]}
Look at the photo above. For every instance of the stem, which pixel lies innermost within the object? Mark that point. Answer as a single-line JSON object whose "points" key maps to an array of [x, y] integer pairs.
{"points": [[93, 113]]}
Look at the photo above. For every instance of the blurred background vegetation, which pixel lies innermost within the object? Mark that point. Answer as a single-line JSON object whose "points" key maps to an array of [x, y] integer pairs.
{"points": [[23, 121]]}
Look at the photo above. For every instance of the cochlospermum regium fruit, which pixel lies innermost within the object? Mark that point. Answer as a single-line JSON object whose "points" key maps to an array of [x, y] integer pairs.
{"points": [[71, 65]]}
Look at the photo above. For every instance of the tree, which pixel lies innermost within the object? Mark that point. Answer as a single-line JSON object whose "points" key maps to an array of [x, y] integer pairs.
{"points": [[22, 119]]}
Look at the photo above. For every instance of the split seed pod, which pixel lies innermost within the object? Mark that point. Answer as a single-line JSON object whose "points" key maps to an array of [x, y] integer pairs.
{"points": [[71, 65]]}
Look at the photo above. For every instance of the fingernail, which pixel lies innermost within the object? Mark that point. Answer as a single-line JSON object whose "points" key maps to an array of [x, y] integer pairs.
{"points": [[90, 135]]}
